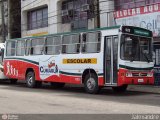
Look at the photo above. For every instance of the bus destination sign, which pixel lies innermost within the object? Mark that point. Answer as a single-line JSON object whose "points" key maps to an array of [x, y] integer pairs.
{"points": [[136, 31]]}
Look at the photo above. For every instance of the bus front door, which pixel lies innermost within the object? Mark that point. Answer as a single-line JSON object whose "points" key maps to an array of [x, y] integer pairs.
{"points": [[110, 60]]}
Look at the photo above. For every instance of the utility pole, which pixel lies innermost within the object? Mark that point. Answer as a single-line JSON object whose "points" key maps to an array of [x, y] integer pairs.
{"points": [[3, 22]]}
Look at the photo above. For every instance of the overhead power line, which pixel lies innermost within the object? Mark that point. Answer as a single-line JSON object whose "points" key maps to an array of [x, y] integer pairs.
{"points": [[59, 13]]}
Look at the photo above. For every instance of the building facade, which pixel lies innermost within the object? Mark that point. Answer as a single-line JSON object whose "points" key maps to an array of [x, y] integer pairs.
{"points": [[53, 16]]}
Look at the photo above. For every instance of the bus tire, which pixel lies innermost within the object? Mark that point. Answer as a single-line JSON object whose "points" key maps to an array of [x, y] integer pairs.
{"points": [[13, 81], [122, 88], [57, 85], [91, 84], [30, 80]]}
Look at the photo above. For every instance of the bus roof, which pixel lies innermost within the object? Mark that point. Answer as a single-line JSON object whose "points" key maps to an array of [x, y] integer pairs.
{"points": [[66, 33], [79, 31]]}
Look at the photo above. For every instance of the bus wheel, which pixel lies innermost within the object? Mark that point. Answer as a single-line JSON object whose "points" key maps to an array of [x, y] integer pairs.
{"points": [[91, 84], [57, 85], [122, 88], [13, 81], [31, 82]]}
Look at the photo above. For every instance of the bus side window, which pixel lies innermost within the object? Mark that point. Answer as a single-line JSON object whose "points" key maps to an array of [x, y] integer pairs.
{"points": [[91, 42], [83, 42], [28, 47], [11, 48], [31, 51], [20, 48], [53, 45], [76, 43], [46, 49], [71, 44], [37, 46], [65, 43]]}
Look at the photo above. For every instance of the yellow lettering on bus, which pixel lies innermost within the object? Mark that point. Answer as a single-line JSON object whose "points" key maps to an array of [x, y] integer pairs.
{"points": [[80, 61]]}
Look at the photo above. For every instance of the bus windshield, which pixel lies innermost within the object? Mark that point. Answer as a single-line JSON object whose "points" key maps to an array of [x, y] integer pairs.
{"points": [[135, 48]]}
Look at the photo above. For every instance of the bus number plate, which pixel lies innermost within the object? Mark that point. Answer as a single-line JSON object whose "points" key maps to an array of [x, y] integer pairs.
{"points": [[140, 80]]}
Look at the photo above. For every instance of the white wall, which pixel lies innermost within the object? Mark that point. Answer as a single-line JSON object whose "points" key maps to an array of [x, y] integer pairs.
{"points": [[52, 19]]}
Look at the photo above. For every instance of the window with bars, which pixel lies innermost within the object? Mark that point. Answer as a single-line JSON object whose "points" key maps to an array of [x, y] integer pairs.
{"points": [[38, 18], [75, 11]]}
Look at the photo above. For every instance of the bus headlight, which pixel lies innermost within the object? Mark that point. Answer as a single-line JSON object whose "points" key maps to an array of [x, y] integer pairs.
{"points": [[150, 74], [128, 74]]}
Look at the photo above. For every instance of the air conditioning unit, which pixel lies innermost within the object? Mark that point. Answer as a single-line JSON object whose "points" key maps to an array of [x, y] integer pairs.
{"points": [[64, 13], [69, 13], [85, 7]]}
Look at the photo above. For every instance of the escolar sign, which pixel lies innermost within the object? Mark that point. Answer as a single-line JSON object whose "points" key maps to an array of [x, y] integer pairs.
{"points": [[80, 61]]}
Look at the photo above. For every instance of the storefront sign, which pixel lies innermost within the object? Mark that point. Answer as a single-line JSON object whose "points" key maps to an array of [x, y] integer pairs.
{"points": [[146, 17]]}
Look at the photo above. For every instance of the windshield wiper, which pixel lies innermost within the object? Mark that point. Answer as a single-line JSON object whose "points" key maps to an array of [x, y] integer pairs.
{"points": [[146, 56], [133, 55], [132, 58]]}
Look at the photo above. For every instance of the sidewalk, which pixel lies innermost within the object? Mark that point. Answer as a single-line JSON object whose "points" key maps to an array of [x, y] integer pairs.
{"points": [[145, 88]]}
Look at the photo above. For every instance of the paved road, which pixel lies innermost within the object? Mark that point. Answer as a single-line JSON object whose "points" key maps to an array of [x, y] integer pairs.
{"points": [[18, 99]]}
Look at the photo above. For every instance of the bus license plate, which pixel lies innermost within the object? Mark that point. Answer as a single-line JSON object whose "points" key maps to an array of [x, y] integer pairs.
{"points": [[140, 80]]}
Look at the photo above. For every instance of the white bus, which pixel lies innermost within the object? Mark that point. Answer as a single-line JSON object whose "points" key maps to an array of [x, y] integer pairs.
{"points": [[104, 57], [2, 76]]}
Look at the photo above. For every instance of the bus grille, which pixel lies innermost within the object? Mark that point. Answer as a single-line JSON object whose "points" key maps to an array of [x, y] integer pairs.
{"points": [[139, 74]]}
